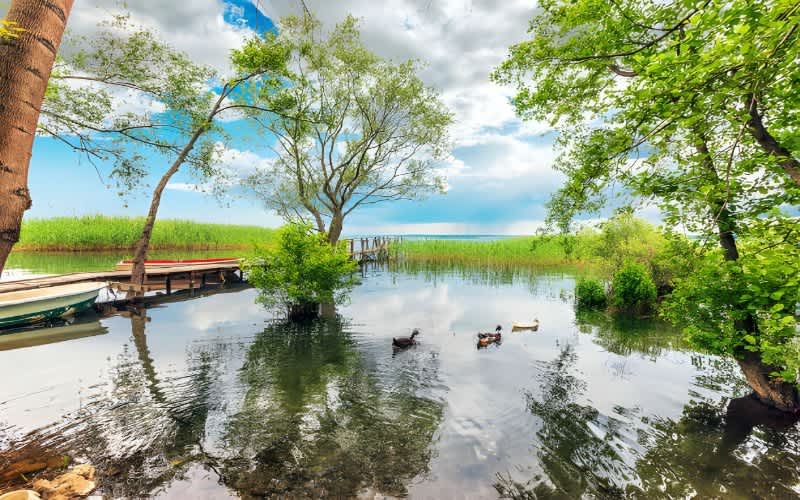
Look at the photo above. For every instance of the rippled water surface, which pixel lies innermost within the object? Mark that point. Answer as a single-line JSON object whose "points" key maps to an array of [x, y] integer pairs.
{"points": [[212, 398]]}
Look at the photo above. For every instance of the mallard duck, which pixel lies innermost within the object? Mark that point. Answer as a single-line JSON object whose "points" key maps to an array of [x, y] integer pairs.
{"points": [[405, 341], [485, 339]]}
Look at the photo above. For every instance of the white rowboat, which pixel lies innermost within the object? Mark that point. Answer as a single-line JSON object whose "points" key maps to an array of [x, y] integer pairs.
{"points": [[39, 304]]}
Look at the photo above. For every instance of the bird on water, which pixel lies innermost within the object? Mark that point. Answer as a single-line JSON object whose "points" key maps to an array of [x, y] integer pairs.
{"points": [[406, 341]]}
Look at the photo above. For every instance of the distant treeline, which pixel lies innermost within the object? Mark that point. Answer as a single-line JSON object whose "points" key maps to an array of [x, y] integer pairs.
{"points": [[98, 233]]}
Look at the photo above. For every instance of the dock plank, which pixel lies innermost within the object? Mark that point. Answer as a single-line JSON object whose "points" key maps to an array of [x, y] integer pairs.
{"points": [[65, 279]]}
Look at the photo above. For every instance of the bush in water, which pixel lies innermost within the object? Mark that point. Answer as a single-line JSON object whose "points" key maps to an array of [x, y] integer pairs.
{"points": [[590, 294], [302, 272], [633, 289]]}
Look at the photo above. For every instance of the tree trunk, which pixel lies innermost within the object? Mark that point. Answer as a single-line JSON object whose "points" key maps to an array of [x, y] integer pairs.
{"points": [[768, 143], [772, 392], [25, 66], [769, 390], [140, 253], [335, 228], [138, 274]]}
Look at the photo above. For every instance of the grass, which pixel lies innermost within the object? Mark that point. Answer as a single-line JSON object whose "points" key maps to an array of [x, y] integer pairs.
{"points": [[521, 251], [101, 233]]}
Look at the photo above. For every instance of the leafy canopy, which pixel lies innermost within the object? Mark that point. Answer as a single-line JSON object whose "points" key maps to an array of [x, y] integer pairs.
{"points": [[691, 105], [356, 129], [303, 269]]}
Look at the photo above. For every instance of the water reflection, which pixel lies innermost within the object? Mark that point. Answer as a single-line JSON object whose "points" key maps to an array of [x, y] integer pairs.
{"points": [[576, 445], [315, 422], [208, 397]]}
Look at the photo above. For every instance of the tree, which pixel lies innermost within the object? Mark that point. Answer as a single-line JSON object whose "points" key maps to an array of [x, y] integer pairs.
{"points": [[303, 272], [358, 129], [124, 58], [25, 64], [688, 104]]}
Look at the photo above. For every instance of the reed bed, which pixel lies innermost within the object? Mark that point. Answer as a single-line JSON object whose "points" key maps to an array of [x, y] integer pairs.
{"points": [[521, 251], [101, 233]]}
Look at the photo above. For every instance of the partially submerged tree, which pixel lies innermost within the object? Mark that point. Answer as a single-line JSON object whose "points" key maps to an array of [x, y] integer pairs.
{"points": [[690, 104], [303, 272], [31, 35], [357, 129]]}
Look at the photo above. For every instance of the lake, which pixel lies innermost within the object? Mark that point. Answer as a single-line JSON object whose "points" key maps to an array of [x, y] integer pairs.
{"points": [[210, 397]]}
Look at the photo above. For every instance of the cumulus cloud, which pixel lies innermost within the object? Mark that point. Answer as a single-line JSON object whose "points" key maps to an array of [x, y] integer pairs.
{"points": [[197, 28]]}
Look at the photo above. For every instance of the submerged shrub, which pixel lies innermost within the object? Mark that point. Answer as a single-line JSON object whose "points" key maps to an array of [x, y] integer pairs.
{"points": [[303, 272], [633, 289], [590, 294]]}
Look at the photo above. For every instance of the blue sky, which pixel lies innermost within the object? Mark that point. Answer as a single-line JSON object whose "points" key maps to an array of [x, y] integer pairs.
{"points": [[499, 174]]}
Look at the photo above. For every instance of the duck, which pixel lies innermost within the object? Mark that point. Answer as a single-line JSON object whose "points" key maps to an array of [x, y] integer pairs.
{"points": [[532, 326], [485, 339], [401, 342]]}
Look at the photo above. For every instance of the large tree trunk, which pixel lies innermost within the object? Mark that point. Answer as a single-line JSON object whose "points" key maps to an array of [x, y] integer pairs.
{"points": [[25, 65], [335, 228], [776, 393]]}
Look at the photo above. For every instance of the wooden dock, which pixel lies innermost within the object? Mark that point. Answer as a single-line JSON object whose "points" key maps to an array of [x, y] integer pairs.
{"points": [[372, 249], [167, 278]]}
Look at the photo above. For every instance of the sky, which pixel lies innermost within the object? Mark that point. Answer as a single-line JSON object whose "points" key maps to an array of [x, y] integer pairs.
{"points": [[499, 173]]}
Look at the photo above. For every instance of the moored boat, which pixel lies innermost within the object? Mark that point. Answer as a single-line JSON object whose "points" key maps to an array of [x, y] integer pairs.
{"points": [[40, 304], [127, 265]]}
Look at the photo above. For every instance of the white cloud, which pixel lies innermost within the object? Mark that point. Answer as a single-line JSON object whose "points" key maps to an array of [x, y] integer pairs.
{"points": [[196, 28]]}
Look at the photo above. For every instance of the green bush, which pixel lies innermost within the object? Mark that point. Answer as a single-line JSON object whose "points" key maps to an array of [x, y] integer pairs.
{"points": [[590, 294], [302, 272], [633, 289]]}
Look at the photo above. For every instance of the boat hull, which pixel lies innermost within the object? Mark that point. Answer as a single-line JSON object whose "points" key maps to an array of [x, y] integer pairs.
{"points": [[154, 265], [42, 310]]}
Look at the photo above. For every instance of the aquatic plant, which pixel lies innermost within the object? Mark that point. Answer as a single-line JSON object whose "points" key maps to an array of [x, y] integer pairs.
{"points": [[99, 232], [633, 289], [302, 272], [590, 294]]}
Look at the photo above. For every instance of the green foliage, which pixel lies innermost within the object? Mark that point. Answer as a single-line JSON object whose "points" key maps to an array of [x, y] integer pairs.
{"points": [[98, 232], [518, 251], [690, 105], [590, 294], [303, 269], [633, 289], [122, 92], [354, 129], [715, 302]]}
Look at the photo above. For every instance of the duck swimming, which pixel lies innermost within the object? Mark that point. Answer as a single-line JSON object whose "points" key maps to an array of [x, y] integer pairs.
{"points": [[402, 342], [485, 339]]}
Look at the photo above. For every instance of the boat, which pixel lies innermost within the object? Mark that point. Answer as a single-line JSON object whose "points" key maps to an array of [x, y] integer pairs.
{"points": [[40, 304], [149, 265], [533, 325], [30, 336]]}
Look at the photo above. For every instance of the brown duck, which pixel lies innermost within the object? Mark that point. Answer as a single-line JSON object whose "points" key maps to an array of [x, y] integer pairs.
{"points": [[401, 342], [484, 339]]}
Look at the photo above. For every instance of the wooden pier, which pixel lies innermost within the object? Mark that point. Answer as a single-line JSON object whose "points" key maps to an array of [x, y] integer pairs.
{"points": [[372, 249], [167, 278]]}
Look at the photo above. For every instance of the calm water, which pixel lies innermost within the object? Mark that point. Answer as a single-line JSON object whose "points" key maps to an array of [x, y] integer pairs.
{"points": [[212, 398]]}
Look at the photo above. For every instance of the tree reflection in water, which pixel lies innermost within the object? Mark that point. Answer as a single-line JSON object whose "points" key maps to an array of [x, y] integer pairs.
{"points": [[719, 448], [314, 421], [575, 445]]}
